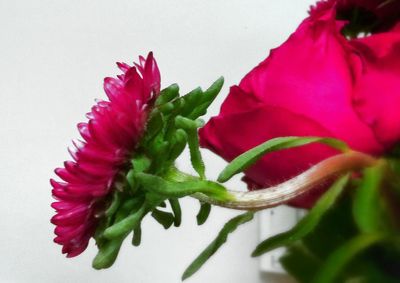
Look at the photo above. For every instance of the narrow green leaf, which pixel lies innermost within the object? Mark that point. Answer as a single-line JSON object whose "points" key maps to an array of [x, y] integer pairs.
{"points": [[154, 126], [366, 206], [195, 155], [176, 209], [166, 219], [206, 99], [245, 160], [171, 189], [115, 203], [126, 225], [130, 178], [166, 108], [338, 260], [179, 104], [204, 212], [307, 224], [188, 124], [160, 150], [228, 228], [200, 110], [140, 163], [190, 101], [159, 153], [190, 128], [107, 253], [127, 207], [179, 141], [137, 236], [327, 236], [163, 204], [300, 263], [167, 94]]}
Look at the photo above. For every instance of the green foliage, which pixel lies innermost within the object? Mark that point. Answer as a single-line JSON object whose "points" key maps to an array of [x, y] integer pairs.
{"points": [[126, 225], [354, 241], [307, 224], [190, 127], [204, 212], [245, 160], [176, 209], [213, 247], [137, 235], [166, 219], [151, 178], [341, 257], [367, 210]]}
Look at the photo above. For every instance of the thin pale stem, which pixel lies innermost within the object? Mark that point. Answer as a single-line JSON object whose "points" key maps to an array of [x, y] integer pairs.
{"points": [[288, 190]]}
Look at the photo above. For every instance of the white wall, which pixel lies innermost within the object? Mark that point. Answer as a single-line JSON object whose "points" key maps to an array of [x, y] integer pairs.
{"points": [[53, 57]]}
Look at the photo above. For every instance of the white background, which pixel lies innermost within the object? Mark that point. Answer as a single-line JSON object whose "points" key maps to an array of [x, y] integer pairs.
{"points": [[53, 57]]}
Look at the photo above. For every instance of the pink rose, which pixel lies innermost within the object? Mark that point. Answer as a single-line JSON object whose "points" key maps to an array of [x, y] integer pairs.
{"points": [[318, 83]]}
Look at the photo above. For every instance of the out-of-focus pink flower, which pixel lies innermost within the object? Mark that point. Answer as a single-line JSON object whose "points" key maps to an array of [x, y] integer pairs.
{"points": [[318, 83], [113, 130]]}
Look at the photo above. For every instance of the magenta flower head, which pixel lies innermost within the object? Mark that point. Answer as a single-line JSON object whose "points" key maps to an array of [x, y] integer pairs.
{"points": [[109, 140], [123, 169]]}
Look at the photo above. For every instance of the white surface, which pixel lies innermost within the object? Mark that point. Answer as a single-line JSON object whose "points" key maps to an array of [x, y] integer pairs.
{"points": [[53, 57]]}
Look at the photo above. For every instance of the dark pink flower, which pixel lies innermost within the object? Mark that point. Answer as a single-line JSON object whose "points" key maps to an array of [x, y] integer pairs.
{"points": [[110, 136], [318, 83]]}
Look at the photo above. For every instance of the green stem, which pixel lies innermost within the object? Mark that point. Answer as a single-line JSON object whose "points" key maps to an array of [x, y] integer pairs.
{"points": [[290, 189]]}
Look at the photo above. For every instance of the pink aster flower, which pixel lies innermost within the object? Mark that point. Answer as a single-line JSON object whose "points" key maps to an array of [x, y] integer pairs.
{"points": [[109, 140]]}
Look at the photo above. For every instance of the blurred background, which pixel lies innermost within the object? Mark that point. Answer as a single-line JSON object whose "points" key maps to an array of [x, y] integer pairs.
{"points": [[53, 58]]}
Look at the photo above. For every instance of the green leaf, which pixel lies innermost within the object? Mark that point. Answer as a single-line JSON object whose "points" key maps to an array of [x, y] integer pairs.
{"points": [[300, 263], [176, 209], [190, 101], [245, 160], [130, 178], [222, 237], [107, 253], [178, 144], [167, 108], [164, 218], [126, 225], [367, 210], [190, 128], [154, 126], [127, 207], [171, 189], [163, 204], [140, 163], [307, 224], [338, 260], [168, 94], [206, 99], [137, 236], [188, 124], [204, 212], [115, 203]]}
